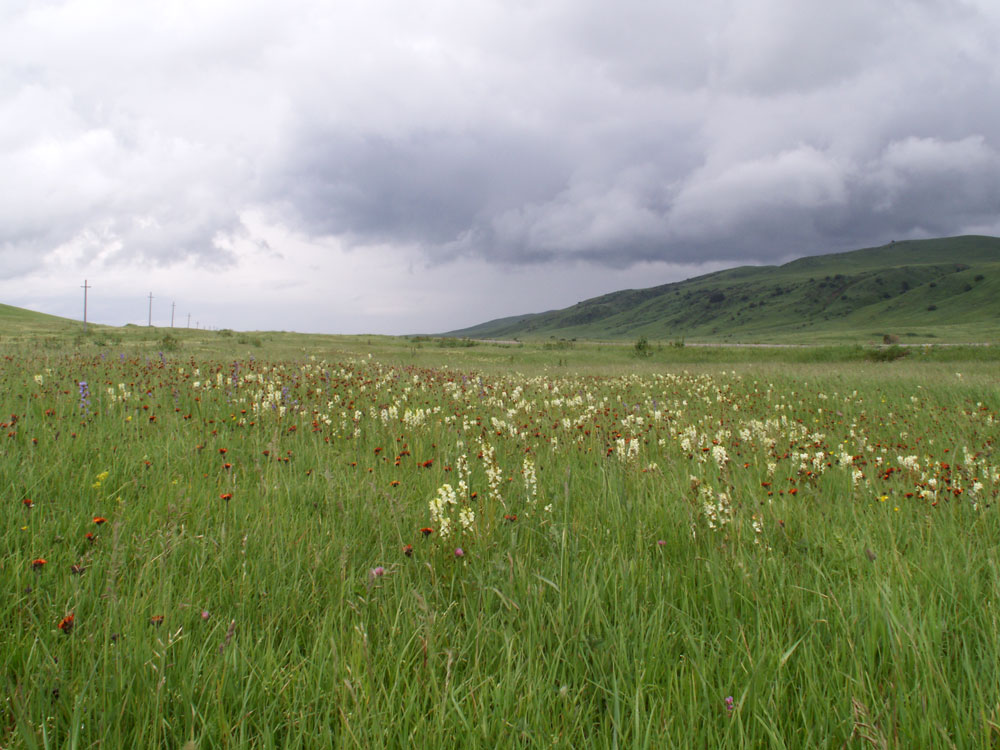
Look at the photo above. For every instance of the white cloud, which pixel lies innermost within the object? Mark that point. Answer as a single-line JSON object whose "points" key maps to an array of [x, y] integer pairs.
{"points": [[463, 138]]}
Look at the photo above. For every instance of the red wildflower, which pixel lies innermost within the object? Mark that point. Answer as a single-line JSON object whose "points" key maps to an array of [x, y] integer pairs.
{"points": [[510, 517], [156, 620], [394, 483], [426, 531], [222, 451], [89, 536], [408, 550], [28, 503], [226, 496], [66, 623], [100, 519], [38, 562]]}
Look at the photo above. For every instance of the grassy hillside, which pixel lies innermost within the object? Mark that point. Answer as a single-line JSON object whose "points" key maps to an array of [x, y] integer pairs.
{"points": [[16, 322], [935, 290]]}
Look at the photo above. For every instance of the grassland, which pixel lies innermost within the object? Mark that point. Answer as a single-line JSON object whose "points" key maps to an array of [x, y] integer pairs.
{"points": [[940, 290], [214, 539]]}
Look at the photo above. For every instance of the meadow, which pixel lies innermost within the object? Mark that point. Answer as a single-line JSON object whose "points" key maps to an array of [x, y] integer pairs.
{"points": [[218, 540]]}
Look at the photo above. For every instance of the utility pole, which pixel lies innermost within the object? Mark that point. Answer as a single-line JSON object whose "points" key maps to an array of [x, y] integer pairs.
{"points": [[150, 309], [189, 320], [172, 306], [85, 288]]}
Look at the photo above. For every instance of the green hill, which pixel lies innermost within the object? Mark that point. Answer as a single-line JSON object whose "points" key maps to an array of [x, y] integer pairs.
{"points": [[943, 289], [16, 321]]}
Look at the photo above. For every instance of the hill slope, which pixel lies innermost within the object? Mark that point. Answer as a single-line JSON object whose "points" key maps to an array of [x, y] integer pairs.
{"points": [[19, 321], [945, 288]]}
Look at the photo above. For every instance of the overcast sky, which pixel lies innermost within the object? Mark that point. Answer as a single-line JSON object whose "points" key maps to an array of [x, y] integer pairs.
{"points": [[398, 167]]}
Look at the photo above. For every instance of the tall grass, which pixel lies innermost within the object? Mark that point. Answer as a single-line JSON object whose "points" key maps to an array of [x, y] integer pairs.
{"points": [[610, 613]]}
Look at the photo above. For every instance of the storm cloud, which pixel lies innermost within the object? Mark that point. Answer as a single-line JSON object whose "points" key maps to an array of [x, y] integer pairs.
{"points": [[562, 135]]}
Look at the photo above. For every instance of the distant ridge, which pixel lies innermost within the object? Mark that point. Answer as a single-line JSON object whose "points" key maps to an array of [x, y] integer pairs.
{"points": [[924, 289]]}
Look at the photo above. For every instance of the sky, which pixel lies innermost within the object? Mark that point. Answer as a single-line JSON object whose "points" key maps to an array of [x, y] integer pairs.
{"points": [[417, 167]]}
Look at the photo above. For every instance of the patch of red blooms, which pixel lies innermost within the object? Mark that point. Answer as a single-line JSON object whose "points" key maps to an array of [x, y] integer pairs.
{"points": [[66, 623], [100, 519], [38, 563], [426, 531]]}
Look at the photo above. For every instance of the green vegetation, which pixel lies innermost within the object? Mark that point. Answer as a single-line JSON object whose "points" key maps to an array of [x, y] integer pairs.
{"points": [[641, 348], [946, 289], [708, 547]]}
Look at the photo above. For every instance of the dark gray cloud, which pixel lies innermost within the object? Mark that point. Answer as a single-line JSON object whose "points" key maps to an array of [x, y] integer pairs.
{"points": [[505, 133]]}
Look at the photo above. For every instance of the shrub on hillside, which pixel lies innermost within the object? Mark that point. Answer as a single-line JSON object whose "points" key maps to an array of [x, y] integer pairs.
{"points": [[886, 354]]}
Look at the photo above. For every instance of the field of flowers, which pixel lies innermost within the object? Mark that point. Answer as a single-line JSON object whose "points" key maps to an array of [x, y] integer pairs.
{"points": [[345, 551]]}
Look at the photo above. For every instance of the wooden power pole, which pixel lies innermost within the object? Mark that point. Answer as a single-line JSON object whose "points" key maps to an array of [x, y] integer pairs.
{"points": [[85, 288], [150, 309]]}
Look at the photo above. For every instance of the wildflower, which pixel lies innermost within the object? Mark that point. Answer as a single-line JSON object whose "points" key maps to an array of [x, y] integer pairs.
{"points": [[661, 542], [720, 455], [84, 395], [426, 531], [205, 614], [510, 517], [100, 519], [90, 537], [66, 623], [156, 620], [28, 503], [730, 704], [226, 496], [467, 517], [459, 552], [38, 563]]}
